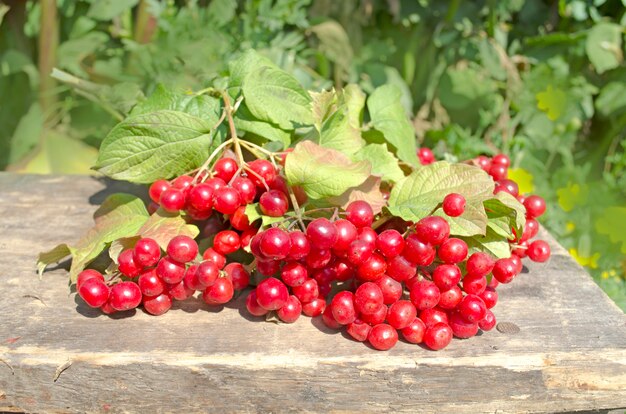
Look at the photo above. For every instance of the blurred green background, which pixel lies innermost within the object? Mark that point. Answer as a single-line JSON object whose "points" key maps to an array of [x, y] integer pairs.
{"points": [[543, 81]]}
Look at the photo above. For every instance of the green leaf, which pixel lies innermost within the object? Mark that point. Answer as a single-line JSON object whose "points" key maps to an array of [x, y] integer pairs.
{"points": [[204, 107], [613, 224], [323, 104], [388, 117], [552, 101], [245, 121], [242, 66], [604, 46], [108, 9], [384, 164], [491, 243], [27, 133], [120, 215], [369, 191], [161, 144], [273, 95], [55, 255], [323, 172], [254, 213], [612, 99], [334, 43], [473, 220], [119, 245], [337, 133], [422, 192], [72, 52], [505, 212], [163, 227]]}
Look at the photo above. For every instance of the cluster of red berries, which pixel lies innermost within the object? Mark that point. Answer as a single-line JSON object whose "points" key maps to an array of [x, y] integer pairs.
{"points": [[399, 280], [153, 280]]}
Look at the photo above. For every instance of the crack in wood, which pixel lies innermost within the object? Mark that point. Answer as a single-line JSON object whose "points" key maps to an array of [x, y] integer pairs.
{"points": [[61, 369], [8, 365]]}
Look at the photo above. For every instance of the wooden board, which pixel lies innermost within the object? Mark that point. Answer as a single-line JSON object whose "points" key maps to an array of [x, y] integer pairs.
{"points": [[569, 355]]}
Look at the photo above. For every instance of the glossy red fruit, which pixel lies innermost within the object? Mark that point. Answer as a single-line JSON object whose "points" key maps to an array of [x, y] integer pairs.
{"points": [[531, 228], [375, 318], [454, 205], [219, 292], [438, 336], [238, 274], [274, 203], [225, 168], [264, 171], [86, 275], [201, 197], [383, 337], [372, 269], [425, 295], [272, 294], [342, 307], [267, 267], [157, 305], [452, 251], [501, 159], [170, 271], [215, 257], [291, 311], [307, 291], [479, 264], [183, 183], [488, 322], [94, 292], [359, 251], [446, 276], [293, 274], [329, 319], [483, 162], [146, 252], [207, 273], [321, 233], [504, 270], [368, 298], [472, 308], [417, 251], [450, 298], [215, 183], [390, 243], [401, 269], [172, 200], [314, 307], [191, 278], [342, 269], [507, 186], [474, 285], [360, 213], [490, 297], [239, 220], [300, 246], [150, 284], [538, 251], [535, 206], [425, 156], [368, 235], [433, 316], [391, 289], [226, 242], [432, 229], [253, 306], [346, 234], [498, 172], [461, 328], [125, 296], [182, 249], [226, 200], [358, 330], [401, 314], [178, 291], [156, 189], [127, 265], [245, 188], [414, 332]]}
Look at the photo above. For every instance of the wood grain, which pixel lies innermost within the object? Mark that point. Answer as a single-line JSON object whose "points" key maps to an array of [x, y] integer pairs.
{"points": [[569, 355]]}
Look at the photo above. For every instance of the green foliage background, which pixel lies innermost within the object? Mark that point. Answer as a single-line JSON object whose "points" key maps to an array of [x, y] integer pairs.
{"points": [[543, 81]]}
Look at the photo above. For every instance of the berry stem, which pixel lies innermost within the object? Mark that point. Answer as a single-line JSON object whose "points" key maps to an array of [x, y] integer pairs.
{"points": [[214, 154], [296, 208], [230, 110]]}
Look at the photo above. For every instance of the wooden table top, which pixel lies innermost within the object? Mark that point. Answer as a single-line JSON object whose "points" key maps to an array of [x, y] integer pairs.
{"points": [[569, 353]]}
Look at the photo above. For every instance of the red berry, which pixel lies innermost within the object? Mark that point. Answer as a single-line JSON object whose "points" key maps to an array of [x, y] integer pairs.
{"points": [[127, 265], [157, 305], [483, 162], [504, 270], [425, 295], [531, 228], [291, 311], [238, 274], [321, 233], [207, 273], [342, 307], [382, 337], [86, 275], [450, 298], [215, 183], [368, 298], [452, 251], [446, 276], [191, 278], [390, 243], [226, 200], [215, 257], [472, 308], [438, 336], [146, 252], [433, 316], [401, 314], [360, 213], [307, 291], [417, 251], [358, 330], [488, 322], [225, 168], [253, 306], [474, 285], [343, 270], [479, 264], [125, 296], [373, 268], [375, 318], [170, 271], [226, 242], [501, 159], [391, 289], [172, 200], [179, 291], [498, 172], [414, 332], [201, 197], [94, 292], [245, 188], [425, 156], [267, 267], [535, 206], [490, 297], [454, 204], [275, 243], [274, 203], [346, 234], [538, 251], [264, 171], [182, 249], [150, 284], [461, 328], [183, 183], [329, 319], [368, 235], [432, 229], [508, 186], [239, 219], [157, 188], [272, 294], [219, 292], [359, 251], [401, 269], [314, 307], [300, 246], [293, 274]]}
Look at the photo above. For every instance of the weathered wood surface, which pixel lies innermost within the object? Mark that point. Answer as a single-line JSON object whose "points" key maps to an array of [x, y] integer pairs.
{"points": [[569, 355]]}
